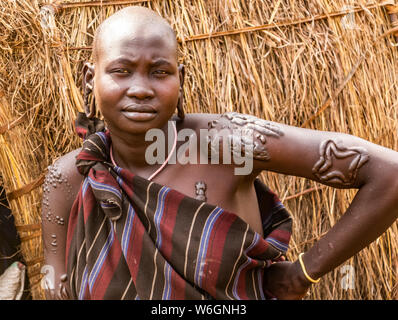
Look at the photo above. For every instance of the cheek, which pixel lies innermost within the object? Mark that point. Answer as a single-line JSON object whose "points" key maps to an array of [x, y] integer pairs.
{"points": [[169, 93], [107, 92]]}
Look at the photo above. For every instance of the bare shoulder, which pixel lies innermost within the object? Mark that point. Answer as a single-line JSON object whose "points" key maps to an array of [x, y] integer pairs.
{"points": [[62, 184]]}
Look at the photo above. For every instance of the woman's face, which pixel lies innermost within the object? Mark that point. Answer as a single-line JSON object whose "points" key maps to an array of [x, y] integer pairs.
{"points": [[137, 81]]}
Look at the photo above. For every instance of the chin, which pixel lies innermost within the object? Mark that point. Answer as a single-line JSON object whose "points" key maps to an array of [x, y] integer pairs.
{"points": [[141, 127], [124, 125]]}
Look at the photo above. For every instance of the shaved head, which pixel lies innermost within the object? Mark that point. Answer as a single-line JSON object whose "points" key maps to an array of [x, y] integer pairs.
{"points": [[135, 67], [131, 22]]}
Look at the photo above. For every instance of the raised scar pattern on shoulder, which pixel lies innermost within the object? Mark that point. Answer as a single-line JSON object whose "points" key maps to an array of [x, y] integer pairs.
{"points": [[329, 149], [253, 133], [55, 179]]}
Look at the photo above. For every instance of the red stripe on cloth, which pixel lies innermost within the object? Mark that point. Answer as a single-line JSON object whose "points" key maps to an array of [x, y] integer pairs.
{"points": [[127, 178], [72, 222], [215, 251], [167, 223], [84, 155], [88, 206], [177, 286], [258, 249], [107, 271], [281, 235], [80, 131]]}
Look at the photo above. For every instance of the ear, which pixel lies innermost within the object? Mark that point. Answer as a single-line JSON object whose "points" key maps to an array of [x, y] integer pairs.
{"points": [[88, 85], [181, 72], [88, 76]]}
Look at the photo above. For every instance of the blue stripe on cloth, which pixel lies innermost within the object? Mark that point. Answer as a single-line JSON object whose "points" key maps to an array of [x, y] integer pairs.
{"points": [[127, 230], [104, 187], [106, 205], [277, 244], [204, 241], [119, 181], [167, 282], [84, 186], [248, 261], [83, 284], [101, 258], [159, 213], [102, 137]]}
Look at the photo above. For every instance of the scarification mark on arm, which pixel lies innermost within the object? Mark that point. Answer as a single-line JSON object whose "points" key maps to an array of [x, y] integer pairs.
{"points": [[247, 134], [324, 168]]}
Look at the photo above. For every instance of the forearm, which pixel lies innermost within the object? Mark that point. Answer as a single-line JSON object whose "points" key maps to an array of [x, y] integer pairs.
{"points": [[373, 210], [54, 273]]}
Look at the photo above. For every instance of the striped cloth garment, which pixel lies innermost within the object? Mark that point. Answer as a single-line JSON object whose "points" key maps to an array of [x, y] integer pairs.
{"points": [[130, 238]]}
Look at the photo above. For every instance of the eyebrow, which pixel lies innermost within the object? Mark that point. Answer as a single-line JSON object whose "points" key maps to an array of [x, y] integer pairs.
{"points": [[155, 63], [159, 62]]}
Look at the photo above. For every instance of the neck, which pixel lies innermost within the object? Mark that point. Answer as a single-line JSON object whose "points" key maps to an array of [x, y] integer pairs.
{"points": [[130, 151]]}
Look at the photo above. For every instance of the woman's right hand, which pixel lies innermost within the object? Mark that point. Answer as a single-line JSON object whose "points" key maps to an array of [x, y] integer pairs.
{"points": [[286, 281]]}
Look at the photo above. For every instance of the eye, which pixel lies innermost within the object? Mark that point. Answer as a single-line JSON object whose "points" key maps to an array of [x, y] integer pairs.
{"points": [[160, 72], [121, 71]]}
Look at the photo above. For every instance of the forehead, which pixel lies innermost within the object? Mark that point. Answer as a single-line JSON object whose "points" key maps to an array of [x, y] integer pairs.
{"points": [[136, 41]]}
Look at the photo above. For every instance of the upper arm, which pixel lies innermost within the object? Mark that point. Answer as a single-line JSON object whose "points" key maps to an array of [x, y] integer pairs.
{"points": [[59, 191], [335, 159]]}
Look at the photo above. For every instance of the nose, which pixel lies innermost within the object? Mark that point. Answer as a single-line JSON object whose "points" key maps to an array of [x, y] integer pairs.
{"points": [[140, 88]]}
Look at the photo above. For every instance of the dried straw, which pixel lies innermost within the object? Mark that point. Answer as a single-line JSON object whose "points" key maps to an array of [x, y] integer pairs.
{"points": [[329, 65]]}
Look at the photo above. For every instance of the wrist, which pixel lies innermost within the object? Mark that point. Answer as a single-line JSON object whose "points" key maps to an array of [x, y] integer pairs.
{"points": [[300, 278], [304, 270], [303, 276]]}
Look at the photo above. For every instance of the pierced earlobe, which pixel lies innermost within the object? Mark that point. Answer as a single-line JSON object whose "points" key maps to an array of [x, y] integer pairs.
{"points": [[88, 98], [92, 108], [89, 102], [180, 106]]}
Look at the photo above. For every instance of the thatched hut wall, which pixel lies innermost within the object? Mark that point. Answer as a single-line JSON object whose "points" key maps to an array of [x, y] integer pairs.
{"points": [[327, 65]]}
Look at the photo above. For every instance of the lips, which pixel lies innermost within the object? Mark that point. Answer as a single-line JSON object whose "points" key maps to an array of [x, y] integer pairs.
{"points": [[139, 108], [139, 112]]}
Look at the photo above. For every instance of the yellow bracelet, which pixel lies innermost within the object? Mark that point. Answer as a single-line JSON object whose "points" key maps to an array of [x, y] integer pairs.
{"points": [[305, 271]]}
